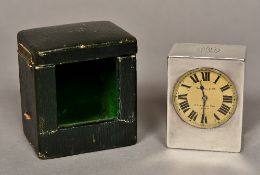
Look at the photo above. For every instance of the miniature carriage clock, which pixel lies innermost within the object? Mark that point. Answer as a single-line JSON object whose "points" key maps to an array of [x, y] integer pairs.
{"points": [[78, 87], [205, 96]]}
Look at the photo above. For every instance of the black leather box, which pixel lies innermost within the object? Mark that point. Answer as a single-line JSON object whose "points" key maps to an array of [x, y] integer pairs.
{"points": [[78, 88]]}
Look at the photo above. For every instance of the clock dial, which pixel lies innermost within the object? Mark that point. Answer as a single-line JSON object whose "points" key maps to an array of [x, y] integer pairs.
{"points": [[205, 97]]}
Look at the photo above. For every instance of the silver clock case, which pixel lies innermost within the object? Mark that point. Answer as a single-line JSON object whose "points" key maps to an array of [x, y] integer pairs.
{"points": [[229, 59]]}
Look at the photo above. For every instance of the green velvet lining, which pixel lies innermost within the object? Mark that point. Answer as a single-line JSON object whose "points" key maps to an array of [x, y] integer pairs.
{"points": [[87, 92]]}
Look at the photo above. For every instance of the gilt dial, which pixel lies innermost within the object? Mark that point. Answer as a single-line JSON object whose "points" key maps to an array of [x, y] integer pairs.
{"points": [[205, 97]]}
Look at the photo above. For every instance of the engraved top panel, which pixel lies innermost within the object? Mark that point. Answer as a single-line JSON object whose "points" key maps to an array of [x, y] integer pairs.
{"points": [[77, 42], [208, 51]]}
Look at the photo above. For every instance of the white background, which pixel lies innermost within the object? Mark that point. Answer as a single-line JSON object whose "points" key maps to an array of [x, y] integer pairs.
{"points": [[157, 26]]}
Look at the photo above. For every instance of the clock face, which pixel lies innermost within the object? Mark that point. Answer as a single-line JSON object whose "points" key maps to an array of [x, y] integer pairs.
{"points": [[205, 98]]}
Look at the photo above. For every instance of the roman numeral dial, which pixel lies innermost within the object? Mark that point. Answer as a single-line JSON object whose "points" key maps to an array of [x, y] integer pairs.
{"points": [[204, 98]]}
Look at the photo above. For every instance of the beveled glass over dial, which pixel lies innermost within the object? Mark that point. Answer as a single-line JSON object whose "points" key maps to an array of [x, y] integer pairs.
{"points": [[205, 97]]}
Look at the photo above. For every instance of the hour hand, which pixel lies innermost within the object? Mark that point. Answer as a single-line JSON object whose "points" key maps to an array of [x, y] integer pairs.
{"points": [[204, 97], [201, 87]]}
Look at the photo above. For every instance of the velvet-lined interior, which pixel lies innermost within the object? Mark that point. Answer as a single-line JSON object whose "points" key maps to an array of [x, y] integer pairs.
{"points": [[87, 92]]}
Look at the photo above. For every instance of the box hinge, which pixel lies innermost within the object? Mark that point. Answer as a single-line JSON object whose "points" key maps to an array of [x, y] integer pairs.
{"points": [[25, 54]]}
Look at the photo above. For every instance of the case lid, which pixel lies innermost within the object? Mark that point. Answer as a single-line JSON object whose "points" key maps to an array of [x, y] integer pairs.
{"points": [[75, 42], [208, 51]]}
